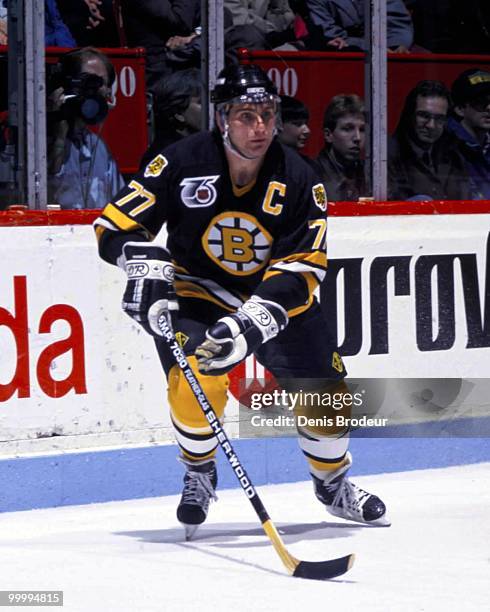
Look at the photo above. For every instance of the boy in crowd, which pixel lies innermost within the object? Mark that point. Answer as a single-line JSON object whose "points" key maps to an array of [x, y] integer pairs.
{"points": [[341, 160]]}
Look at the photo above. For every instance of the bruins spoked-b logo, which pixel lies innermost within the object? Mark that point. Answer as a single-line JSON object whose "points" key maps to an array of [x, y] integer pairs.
{"points": [[156, 166], [198, 191], [237, 242], [319, 196]]}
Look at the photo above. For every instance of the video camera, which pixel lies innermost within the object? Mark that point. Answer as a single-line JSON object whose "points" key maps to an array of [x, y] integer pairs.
{"points": [[82, 98]]}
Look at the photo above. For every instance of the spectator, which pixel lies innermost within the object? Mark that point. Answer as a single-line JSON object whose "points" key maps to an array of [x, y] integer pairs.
{"points": [[91, 22], [271, 20], [56, 33], [341, 163], [423, 159], [294, 118], [470, 123], [81, 170], [338, 25], [170, 31], [160, 26], [185, 51], [177, 110]]}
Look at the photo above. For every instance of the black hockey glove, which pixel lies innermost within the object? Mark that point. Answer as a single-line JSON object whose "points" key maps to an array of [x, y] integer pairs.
{"points": [[237, 335], [150, 291]]}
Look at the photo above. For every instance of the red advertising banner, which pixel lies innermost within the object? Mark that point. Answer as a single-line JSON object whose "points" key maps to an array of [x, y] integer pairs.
{"points": [[315, 77]]}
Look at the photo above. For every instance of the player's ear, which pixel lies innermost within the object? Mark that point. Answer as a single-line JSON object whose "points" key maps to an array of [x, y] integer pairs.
{"points": [[327, 135], [218, 118]]}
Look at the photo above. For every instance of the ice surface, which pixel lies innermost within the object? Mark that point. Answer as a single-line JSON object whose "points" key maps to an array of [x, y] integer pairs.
{"points": [[130, 556]]}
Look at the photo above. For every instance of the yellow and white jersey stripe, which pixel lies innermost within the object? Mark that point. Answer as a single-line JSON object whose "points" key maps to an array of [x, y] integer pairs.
{"points": [[301, 263], [267, 238]]}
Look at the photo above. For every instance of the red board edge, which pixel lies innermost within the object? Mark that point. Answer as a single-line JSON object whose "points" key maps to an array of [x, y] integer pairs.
{"points": [[30, 218]]}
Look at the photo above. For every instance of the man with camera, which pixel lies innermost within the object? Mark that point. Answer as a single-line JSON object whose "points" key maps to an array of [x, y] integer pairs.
{"points": [[81, 170]]}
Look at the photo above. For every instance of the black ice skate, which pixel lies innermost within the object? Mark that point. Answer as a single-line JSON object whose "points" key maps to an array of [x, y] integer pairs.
{"points": [[343, 498], [200, 482]]}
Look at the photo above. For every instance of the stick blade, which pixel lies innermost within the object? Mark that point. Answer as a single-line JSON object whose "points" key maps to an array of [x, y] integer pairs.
{"points": [[324, 570]]}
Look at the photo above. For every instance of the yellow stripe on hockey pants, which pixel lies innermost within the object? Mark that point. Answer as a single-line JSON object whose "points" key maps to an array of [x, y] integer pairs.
{"points": [[192, 431]]}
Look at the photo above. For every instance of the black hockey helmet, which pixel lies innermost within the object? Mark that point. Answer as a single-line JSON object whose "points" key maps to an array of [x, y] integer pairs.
{"points": [[243, 83]]}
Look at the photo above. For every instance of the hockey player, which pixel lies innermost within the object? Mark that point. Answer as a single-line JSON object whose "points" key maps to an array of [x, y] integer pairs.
{"points": [[246, 222]]}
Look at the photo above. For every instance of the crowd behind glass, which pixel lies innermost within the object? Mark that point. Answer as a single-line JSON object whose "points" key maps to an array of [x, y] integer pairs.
{"points": [[439, 150]]}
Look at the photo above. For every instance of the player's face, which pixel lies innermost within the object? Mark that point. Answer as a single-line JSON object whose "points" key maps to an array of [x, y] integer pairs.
{"points": [[295, 133], [252, 127], [348, 137], [430, 118]]}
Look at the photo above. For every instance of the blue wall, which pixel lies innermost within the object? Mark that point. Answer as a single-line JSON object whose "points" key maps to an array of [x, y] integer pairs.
{"points": [[100, 476]]}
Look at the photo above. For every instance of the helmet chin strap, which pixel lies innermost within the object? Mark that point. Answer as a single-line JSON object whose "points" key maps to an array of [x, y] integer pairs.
{"points": [[228, 142], [233, 148]]}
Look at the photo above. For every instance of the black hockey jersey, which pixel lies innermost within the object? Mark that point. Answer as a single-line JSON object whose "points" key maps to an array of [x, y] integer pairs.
{"points": [[267, 238]]}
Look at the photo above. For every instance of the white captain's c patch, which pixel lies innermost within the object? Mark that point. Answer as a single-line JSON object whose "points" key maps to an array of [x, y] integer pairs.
{"points": [[156, 166], [237, 242], [199, 191]]}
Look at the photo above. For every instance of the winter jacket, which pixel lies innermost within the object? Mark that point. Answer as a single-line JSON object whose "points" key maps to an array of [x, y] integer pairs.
{"points": [[476, 158], [56, 33], [442, 177], [342, 183], [329, 19], [150, 23], [266, 15]]}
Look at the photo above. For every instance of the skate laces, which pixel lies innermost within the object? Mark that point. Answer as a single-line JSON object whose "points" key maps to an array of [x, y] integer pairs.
{"points": [[198, 489], [347, 495]]}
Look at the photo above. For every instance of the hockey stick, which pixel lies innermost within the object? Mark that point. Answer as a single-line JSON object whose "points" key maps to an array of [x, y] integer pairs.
{"points": [[318, 570]]}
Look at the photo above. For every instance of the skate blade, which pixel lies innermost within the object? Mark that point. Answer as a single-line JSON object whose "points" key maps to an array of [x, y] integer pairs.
{"points": [[382, 521], [189, 531]]}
